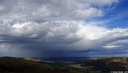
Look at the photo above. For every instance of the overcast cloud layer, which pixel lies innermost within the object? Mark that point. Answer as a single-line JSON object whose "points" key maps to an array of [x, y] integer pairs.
{"points": [[46, 28]]}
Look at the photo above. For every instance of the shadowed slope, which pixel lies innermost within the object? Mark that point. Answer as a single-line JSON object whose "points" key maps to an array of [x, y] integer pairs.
{"points": [[18, 65], [108, 64]]}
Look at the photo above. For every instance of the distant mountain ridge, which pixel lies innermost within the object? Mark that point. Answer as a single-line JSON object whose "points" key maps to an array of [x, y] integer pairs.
{"points": [[69, 58]]}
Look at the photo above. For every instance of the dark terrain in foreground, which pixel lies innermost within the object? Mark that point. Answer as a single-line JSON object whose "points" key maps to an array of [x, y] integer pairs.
{"points": [[19, 65], [36, 65]]}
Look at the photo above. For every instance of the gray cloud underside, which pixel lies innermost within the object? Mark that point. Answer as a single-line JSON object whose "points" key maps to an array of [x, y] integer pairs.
{"points": [[57, 28]]}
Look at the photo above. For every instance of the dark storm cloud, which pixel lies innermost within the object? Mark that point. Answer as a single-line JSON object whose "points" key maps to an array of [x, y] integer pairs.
{"points": [[45, 39], [55, 28]]}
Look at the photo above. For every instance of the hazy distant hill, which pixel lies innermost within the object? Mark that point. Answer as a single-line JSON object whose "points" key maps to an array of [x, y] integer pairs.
{"points": [[69, 58], [18, 65]]}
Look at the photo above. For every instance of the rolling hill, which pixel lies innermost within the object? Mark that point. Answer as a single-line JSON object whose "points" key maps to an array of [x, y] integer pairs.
{"points": [[107, 64], [35, 65], [19, 65]]}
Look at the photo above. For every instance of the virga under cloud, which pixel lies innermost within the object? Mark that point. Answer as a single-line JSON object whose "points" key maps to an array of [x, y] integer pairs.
{"points": [[59, 28]]}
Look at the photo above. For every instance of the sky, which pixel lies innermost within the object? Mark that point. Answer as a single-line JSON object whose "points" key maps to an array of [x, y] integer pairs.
{"points": [[64, 28]]}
